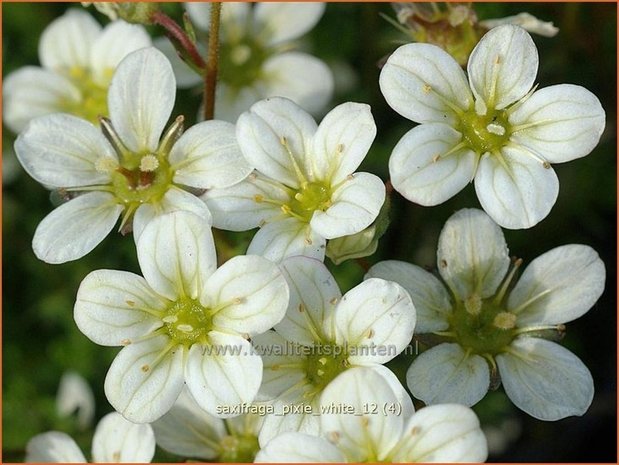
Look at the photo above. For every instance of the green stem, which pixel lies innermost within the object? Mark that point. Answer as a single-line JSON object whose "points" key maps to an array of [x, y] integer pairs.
{"points": [[210, 77]]}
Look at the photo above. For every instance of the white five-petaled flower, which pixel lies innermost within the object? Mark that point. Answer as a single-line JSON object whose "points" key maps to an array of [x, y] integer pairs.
{"points": [[127, 167], [115, 440], [324, 334], [184, 322], [304, 190], [362, 421], [492, 128], [492, 331], [78, 59]]}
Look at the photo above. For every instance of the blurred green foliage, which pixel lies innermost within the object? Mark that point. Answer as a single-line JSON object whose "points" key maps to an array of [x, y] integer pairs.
{"points": [[41, 341]]}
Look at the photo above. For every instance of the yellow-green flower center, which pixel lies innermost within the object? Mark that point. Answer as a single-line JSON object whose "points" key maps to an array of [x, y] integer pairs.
{"points": [[324, 365], [93, 96], [485, 133], [241, 62], [187, 321], [310, 197], [238, 448]]}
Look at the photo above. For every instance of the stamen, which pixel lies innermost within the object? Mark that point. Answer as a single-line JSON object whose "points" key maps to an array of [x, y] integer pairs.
{"points": [[302, 179], [114, 139], [508, 279], [505, 320], [149, 163], [497, 129]]}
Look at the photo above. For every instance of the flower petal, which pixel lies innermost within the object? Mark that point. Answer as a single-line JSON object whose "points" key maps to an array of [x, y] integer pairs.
{"points": [[545, 380], [251, 293], [224, 374], [145, 379], [376, 320], [442, 433], [275, 137], [287, 238], [282, 22], [431, 299], [425, 166], [472, 254], [299, 448], [445, 373], [515, 188], [502, 67], [114, 307], [141, 97], [281, 422], [75, 396], [75, 228], [53, 447], [231, 102], [355, 205], [184, 75], [207, 156], [119, 440], [313, 295], [342, 141], [61, 150], [558, 286], [233, 14], [68, 40], [561, 123], [423, 83]]}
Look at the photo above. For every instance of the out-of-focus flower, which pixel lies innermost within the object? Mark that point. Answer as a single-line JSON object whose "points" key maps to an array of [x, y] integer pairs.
{"points": [[74, 394]]}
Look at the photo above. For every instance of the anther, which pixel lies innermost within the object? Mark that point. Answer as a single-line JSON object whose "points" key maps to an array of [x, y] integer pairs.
{"points": [[185, 328], [149, 163]]}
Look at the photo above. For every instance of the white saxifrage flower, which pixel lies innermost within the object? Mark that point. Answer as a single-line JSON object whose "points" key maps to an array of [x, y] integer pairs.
{"points": [[188, 431], [491, 331], [74, 395], [493, 128], [78, 59], [127, 168], [183, 323], [370, 427], [115, 440], [324, 334], [304, 190]]}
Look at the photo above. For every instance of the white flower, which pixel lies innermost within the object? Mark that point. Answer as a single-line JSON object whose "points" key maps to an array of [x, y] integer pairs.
{"points": [[324, 334], [491, 331], [78, 59], [304, 190], [115, 440], [256, 59], [526, 21], [127, 167], [493, 128], [189, 431], [74, 394], [184, 322], [374, 429]]}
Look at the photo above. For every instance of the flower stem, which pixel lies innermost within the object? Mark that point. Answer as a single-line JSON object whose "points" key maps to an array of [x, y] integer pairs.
{"points": [[178, 36], [210, 77]]}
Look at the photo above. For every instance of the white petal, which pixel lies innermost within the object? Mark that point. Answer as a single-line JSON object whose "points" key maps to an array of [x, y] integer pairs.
{"points": [[503, 65], [356, 203], [75, 228], [119, 440], [418, 80], [313, 295], [280, 423], [189, 431], [145, 379], [445, 373], [302, 78], [30, 92], [442, 433], [516, 190], [117, 40], [141, 97], [424, 167], [432, 302], [62, 150], [230, 102], [566, 122], [243, 206], [224, 374], [114, 307], [376, 320], [53, 447], [342, 141], [177, 254], [281, 22], [75, 395], [68, 40], [175, 199], [472, 254], [299, 448], [405, 406], [275, 137], [545, 380], [526, 21], [251, 292], [368, 430], [207, 156], [558, 286], [287, 238], [185, 76]]}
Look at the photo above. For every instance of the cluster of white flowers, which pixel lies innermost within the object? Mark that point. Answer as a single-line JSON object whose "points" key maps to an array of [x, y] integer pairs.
{"points": [[263, 357]]}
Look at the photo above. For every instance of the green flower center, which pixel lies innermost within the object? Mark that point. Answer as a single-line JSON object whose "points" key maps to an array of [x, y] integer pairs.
{"points": [[187, 321], [241, 62], [93, 96], [239, 448], [311, 197], [322, 367], [485, 133]]}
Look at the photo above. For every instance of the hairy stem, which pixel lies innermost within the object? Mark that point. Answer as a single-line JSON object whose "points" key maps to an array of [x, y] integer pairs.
{"points": [[210, 77]]}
